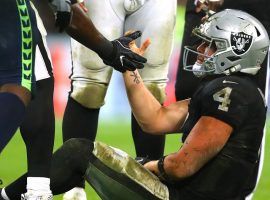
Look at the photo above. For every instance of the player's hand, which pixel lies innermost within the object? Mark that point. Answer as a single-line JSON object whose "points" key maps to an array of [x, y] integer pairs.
{"points": [[152, 166], [209, 6], [123, 58], [62, 10], [133, 47], [142, 160]]}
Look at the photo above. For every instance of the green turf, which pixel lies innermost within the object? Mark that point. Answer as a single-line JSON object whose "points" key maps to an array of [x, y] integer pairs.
{"points": [[13, 158]]}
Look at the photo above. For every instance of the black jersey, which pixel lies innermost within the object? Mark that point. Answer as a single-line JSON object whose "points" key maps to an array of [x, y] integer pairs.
{"points": [[237, 101]]}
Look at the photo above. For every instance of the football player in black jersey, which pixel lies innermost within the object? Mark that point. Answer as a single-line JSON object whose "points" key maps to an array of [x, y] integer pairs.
{"points": [[186, 83], [222, 124]]}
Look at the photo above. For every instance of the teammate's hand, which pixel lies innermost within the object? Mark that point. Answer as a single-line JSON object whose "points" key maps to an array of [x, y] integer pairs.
{"points": [[123, 58], [62, 10], [152, 166], [209, 5]]}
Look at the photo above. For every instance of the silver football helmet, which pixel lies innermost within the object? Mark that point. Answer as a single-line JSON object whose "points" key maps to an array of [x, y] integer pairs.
{"points": [[241, 41]]}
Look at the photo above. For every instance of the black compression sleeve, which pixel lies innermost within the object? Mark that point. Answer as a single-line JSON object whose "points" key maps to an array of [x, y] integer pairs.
{"points": [[69, 164]]}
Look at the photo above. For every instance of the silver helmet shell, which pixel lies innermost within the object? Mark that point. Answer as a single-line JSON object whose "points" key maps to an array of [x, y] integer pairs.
{"points": [[241, 40]]}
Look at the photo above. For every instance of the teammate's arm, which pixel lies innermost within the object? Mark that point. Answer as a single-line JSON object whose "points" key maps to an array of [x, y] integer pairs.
{"points": [[150, 114], [205, 141], [84, 31], [73, 19]]}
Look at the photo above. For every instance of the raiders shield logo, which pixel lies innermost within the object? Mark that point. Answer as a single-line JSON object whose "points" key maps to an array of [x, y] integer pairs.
{"points": [[240, 42]]}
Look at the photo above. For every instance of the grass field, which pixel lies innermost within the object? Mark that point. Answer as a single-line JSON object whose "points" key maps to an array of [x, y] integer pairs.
{"points": [[13, 159]]}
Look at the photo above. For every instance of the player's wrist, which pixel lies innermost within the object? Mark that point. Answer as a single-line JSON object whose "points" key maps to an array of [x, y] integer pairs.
{"points": [[113, 52], [108, 51], [162, 173], [113, 58]]}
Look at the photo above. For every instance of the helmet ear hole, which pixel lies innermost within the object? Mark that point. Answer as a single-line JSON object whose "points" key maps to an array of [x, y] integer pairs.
{"points": [[258, 32]]}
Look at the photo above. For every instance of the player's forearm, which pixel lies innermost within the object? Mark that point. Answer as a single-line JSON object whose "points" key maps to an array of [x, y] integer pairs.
{"points": [[144, 105], [174, 168], [204, 142], [84, 31], [150, 114], [178, 169]]}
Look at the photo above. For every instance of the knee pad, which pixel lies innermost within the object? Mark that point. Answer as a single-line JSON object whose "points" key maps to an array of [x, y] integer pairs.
{"points": [[75, 153], [79, 146], [78, 149], [158, 90], [90, 95]]}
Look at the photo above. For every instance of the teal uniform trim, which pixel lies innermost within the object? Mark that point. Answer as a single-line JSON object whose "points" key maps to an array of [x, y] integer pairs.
{"points": [[27, 44]]}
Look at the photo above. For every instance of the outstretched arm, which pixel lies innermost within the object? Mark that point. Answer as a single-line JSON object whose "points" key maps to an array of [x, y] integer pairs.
{"points": [[82, 29], [150, 114], [74, 20]]}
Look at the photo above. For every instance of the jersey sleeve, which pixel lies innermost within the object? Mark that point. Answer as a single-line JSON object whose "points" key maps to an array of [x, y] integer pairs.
{"points": [[227, 104]]}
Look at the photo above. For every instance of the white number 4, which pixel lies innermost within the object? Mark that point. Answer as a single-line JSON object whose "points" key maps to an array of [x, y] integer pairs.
{"points": [[223, 96]]}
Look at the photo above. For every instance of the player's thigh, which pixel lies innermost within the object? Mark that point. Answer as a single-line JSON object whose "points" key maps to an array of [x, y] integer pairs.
{"points": [[89, 74], [18, 43], [156, 20], [108, 22]]}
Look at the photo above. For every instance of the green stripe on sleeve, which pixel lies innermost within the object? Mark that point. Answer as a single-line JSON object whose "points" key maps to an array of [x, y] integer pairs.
{"points": [[27, 44]]}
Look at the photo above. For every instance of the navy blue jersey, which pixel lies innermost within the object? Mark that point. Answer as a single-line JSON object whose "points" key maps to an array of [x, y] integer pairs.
{"points": [[237, 101], [18, 38]]}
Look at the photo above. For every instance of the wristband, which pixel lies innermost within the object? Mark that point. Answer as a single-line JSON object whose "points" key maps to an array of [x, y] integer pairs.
{"points": [[162, 173]]}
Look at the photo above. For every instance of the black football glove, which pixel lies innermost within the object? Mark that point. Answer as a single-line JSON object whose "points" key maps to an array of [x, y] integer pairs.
{"points": [[142, 160], [123, 58]]}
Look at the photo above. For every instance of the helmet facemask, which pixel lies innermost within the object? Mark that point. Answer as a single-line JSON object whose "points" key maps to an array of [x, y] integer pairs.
{"points": [[206, 61]]}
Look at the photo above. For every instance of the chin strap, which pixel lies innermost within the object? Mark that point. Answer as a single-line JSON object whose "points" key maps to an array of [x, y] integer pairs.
{"points": [[238, 68], [251, 70], [233, 69]]}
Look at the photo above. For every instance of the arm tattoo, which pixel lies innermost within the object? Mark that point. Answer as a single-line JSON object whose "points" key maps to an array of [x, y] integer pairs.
{"points": [[136, 77]]}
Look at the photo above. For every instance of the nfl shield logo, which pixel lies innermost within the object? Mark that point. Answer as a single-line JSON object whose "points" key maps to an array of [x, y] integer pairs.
{"points": [[240, 42]]}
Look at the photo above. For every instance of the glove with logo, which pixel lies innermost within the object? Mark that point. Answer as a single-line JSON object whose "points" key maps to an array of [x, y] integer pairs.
{"points": [[122, 58], [62, 10]]}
